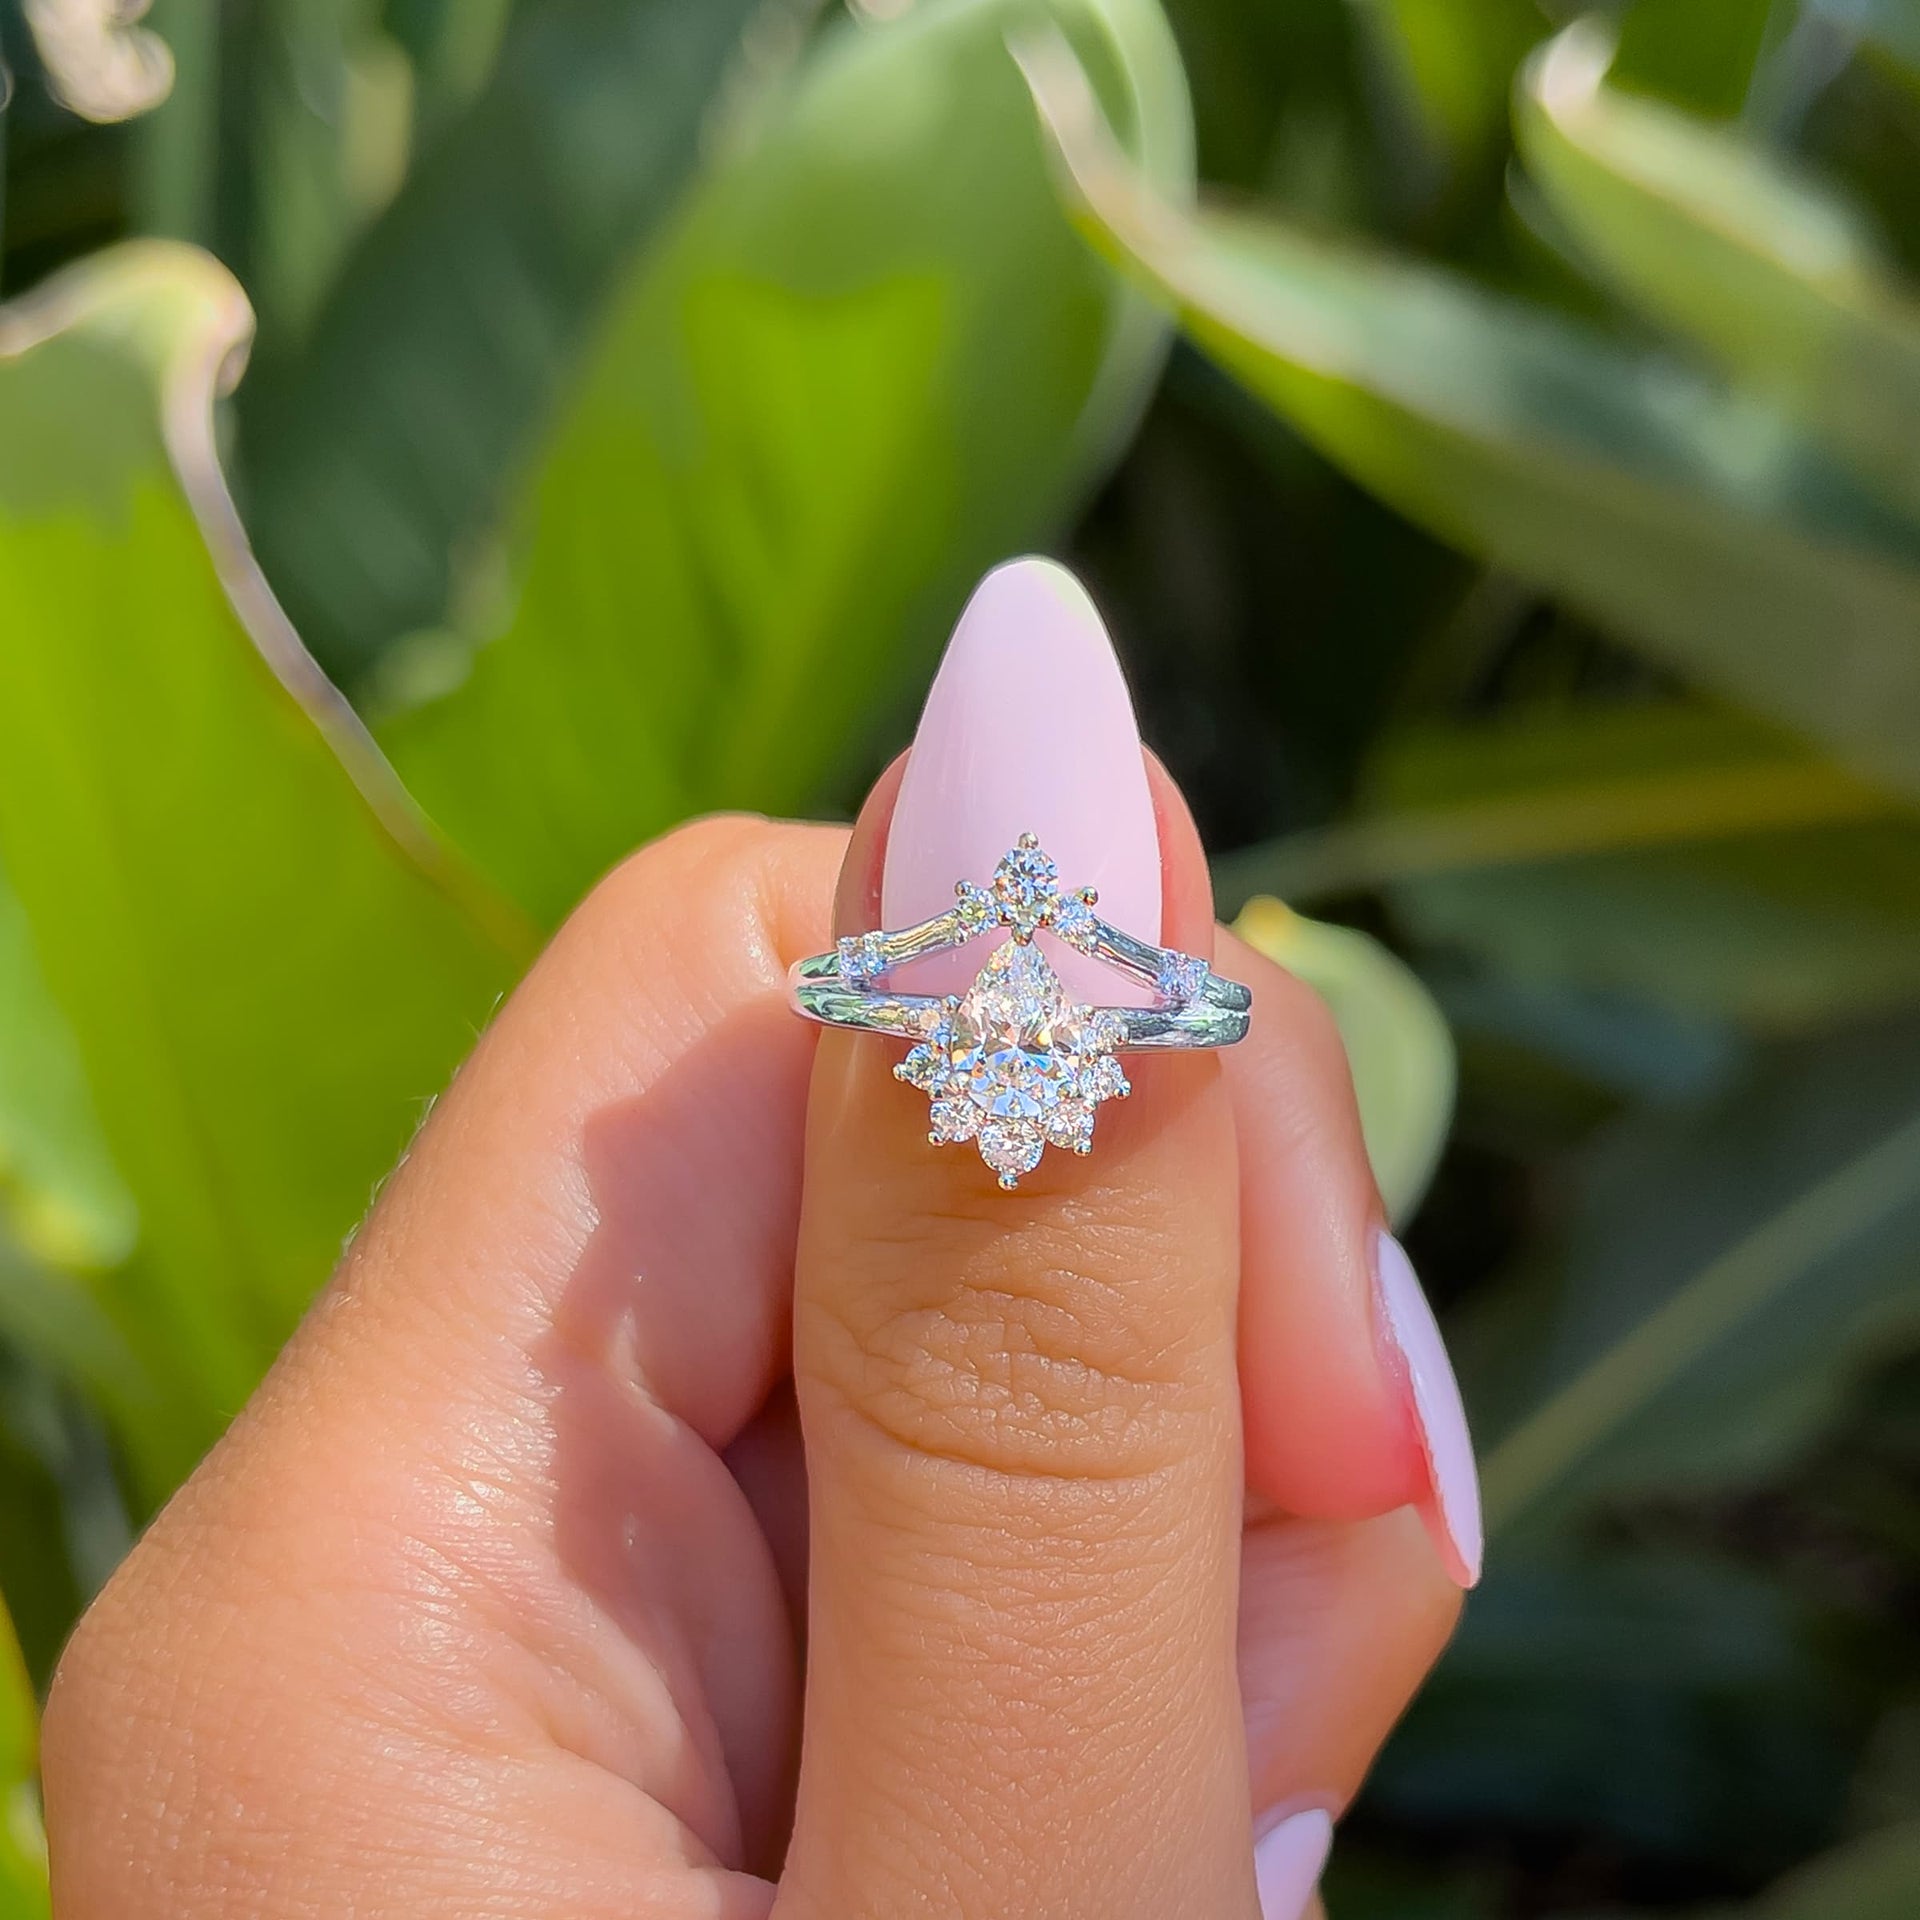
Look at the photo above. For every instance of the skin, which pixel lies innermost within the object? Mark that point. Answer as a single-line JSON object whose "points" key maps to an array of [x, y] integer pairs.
{"points": [[500, 1600]]}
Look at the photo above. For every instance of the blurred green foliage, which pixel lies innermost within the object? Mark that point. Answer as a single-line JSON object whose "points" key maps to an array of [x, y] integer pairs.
{"points": [[1517, 551], [22, 1846]]}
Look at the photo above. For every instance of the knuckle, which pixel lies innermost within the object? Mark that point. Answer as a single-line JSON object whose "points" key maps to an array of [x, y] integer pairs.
{"points": [[690, 858], [691, 846], [1063, 1350], [728, 889]]}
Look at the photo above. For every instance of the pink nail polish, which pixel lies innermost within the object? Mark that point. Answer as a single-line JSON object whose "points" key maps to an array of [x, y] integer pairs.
{"points": [[1288, 1862], [1452, 1506], [1028, 728]]}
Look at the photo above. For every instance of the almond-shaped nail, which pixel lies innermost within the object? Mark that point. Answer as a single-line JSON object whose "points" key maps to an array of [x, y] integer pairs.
{"points": [[1452, 1506], [1288, 1862], [1028, 728]]}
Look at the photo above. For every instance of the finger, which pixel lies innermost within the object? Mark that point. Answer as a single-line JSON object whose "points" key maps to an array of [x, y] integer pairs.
{"points": [[470, 1554], [1020, 1408], [1339, 1624], [1351, 1407], [1340, 1619], [1329, 1431], [1351, 1404]]}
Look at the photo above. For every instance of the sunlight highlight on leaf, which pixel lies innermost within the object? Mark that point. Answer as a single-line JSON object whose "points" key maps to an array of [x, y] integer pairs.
{"points": [[1716, 237], [266, 958], [1690, 520]]}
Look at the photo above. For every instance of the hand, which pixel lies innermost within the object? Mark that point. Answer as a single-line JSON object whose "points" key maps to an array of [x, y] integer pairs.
{"points": [[491, 1601]]}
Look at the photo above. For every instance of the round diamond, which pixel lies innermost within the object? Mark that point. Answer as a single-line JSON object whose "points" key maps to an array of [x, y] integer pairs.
{"points": [[1099, 1030], [924, 1067], [1074, 921], [953, 1121], [1070, 1125], [862, 958], [1025, 883], [935, 1022], [1182, 976], [1011, 1148], [1103, 1079], [976, 909]]}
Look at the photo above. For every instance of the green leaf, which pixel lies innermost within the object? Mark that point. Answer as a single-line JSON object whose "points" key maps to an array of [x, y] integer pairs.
{"points": [[1730, 1266], [1364, 1886], [60, 1194], [1688, 520], [452, 46], [1658, 1704], [287, 124], [1888, 29], [322, 146], [1556, 784], [176, 148], [1397, 1043], [1875, 1878], [23, 1846], [1700, 53], [36, 1577], [63, 1519], [1284, 102], [381, 451], [66, 1320], [1673, 855], [1718, 239], [1454, 61], [873, 360], [266, 961]]}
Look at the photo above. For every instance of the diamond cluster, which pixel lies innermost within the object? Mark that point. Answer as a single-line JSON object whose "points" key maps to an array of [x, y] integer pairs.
{"points": [[1016, 1067], [1013, 1065], [1026, 896]]}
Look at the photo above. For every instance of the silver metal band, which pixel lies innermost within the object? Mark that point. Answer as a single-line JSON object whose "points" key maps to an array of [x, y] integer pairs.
{"points": [[1218, 1017]]}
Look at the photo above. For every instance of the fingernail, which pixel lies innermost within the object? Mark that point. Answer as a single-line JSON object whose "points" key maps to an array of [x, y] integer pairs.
{"points": [[1288, 1863], [1452, 1506], [1028, 728]]}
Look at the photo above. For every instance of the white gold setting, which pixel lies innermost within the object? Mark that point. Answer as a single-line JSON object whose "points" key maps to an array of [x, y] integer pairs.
{"points": [[1013, 1064]]}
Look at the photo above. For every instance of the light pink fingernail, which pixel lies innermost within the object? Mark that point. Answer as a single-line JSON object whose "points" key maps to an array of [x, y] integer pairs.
{"points": [[1028, 729], [1288, 1863], [1452, 1506]]}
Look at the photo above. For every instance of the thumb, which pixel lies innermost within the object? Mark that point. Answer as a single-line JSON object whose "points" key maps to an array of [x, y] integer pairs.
{"points": [[1020, 1408]]}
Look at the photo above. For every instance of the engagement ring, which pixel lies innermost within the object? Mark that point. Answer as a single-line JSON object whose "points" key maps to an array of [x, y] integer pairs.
{"points": [[1012, 1064]]}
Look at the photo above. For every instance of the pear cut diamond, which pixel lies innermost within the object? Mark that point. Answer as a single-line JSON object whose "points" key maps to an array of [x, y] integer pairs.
{"points": [[1009, 1035], [1017, 1065]]}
